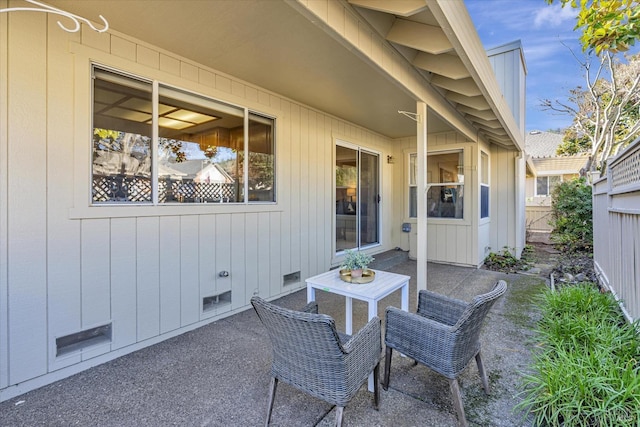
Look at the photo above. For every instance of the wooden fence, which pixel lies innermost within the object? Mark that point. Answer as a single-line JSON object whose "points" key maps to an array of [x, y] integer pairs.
{"points": [[616, 229]]}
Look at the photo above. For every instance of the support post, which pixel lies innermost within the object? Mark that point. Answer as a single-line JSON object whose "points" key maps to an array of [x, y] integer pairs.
{"points": [[421, 127]]}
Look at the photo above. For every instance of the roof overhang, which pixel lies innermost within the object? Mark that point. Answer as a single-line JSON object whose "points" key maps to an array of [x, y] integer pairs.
{"points": [[273, 45]]}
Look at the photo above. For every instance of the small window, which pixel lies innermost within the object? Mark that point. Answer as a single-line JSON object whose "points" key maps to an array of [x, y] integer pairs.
{"points": [[546, 184], [484, 185], [199, 154]]}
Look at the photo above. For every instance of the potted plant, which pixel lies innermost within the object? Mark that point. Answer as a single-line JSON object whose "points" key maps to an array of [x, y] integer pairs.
{"points": [[356, 261]]}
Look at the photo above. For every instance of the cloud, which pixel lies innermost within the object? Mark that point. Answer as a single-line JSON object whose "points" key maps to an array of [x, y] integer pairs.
{"points": [[553, 16]]}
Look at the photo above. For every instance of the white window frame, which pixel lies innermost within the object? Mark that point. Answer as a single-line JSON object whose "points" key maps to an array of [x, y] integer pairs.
{"points": [[549, 187], [156, 84]]}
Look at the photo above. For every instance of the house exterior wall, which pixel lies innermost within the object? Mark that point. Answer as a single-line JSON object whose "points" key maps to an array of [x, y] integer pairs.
{"points": [[67, 266]]}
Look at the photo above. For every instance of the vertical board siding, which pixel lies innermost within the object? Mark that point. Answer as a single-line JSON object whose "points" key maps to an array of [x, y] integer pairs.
{"points": [[169, 269], [239, 265], [207, 257], [63, 236], [148, 277], [26, 197], [123, 282], [96, 278], [190, 301]]}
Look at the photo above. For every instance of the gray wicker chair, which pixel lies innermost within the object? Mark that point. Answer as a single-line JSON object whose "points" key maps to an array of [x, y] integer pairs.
{"points": [[443, 335], [309, 354]]}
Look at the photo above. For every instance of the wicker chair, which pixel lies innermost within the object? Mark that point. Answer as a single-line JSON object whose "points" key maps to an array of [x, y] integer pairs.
{"points": [[443, 335], [309, 354]]}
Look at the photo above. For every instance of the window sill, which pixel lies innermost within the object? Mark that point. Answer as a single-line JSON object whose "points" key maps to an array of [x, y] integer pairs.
{"points": [[124, 211]]}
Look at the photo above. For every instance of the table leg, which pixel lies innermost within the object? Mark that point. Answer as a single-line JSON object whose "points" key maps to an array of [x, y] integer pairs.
{"points": [[405, 297], [311, 293], [373, 311], [348, 316]]}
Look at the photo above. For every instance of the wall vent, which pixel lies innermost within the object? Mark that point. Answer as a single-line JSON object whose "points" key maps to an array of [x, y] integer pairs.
{"points": [[291, 278], [83, 339], [214, 301]]}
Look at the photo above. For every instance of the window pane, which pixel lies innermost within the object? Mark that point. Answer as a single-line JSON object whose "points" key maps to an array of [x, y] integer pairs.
{"points": [[413, 202], [445, 201], [542, 186], [413, 168], [484, 168], [346, 198], [200, 147], [445, 168], [121, 155], [484, 201], [261, 159]]}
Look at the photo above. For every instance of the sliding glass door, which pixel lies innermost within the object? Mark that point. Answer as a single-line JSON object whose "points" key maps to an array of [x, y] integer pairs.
{"points": [[357, 198]]}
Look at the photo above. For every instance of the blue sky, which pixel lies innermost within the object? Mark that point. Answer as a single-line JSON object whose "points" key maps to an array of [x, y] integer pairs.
{"points": [[547, 35]]}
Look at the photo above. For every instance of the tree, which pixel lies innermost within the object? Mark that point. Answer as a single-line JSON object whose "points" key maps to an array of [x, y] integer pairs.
{"points": [[607, 25], [606, 114]]}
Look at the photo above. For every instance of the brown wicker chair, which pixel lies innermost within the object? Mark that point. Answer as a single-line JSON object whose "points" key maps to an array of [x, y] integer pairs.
{"points": [[309, 354], [443, 335]]}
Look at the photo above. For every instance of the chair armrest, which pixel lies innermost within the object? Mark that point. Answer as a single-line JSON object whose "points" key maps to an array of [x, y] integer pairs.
{"points": [[371, 333], [363, 352], [440, 308], [311, 307], [416, 336]]}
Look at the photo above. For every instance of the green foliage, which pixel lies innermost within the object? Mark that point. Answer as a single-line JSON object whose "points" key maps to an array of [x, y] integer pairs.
{"points": [[571, 210], [607, 25], [573, 143], [586, 362], [506, 262], [354, 260]]}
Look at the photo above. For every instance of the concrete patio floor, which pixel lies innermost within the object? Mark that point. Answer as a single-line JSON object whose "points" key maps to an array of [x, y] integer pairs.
{"points": [[218, 375]]}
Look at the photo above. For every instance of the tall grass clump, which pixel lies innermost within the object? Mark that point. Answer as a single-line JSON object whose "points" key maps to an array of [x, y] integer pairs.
{"points": [[586, 362]]}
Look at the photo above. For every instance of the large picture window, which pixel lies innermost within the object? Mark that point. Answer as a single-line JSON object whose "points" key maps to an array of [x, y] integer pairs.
{"points": [[184, 148], [445, 183]]}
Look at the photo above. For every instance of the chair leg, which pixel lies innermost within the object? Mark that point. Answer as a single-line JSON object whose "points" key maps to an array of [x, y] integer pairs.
{"points": [[483, 373], [376, 387], [457, 402], [272, 395], [339, 410], [387, 367]]}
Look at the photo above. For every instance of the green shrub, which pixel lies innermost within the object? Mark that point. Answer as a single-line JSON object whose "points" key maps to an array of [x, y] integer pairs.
{"points": [[586, 362], [572, 217]]}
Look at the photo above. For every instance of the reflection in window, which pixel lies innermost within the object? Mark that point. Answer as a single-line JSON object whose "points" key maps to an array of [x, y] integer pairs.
{"points": [[445, 183], [200, 151]]}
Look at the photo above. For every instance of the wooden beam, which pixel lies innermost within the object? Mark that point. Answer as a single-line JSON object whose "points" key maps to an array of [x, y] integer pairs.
{"points": [[465, 87], [475, 102], [481, 114], [446, 65], [396, 7], [425, 38]]}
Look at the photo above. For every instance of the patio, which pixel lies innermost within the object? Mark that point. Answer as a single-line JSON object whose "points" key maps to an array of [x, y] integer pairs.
{"points": [[218, 375]]}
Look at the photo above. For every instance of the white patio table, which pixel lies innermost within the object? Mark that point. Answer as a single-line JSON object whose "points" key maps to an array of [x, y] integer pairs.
{"points": [[384, 284]]}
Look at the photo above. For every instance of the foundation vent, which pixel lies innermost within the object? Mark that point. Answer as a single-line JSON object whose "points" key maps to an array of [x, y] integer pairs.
{"points": [[83, 339], [291, 278], [215, 301]]}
